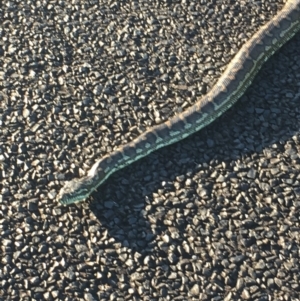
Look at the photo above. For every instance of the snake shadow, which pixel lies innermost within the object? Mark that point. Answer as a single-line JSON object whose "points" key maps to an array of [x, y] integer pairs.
{"points": [[131, 204]]}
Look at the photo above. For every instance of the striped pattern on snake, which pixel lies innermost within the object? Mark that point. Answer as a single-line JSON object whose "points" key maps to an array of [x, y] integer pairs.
{"points": [[228, 89]]}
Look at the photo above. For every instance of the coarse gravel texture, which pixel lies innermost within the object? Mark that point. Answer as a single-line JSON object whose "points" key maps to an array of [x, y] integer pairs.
{"points": [[213, 217]]}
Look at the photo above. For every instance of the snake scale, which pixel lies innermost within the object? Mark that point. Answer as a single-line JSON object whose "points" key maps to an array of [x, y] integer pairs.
{"points": [[229, 88]]}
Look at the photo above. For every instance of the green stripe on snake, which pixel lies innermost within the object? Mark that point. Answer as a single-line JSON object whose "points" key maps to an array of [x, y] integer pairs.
{"points": [[229, 88]]}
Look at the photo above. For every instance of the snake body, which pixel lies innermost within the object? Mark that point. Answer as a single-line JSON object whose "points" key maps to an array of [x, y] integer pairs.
{"points": [[228, 89]]}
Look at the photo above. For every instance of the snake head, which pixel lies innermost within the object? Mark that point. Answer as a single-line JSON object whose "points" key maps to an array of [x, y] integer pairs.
{"points": [[75, 191]]}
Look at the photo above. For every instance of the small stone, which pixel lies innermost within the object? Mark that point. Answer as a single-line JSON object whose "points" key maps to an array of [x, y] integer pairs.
{"points": [[89, 297], [195, 290], [245, 294]]}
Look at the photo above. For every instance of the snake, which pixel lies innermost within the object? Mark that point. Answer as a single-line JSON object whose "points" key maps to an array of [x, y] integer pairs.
{"points": [[232, 84]]}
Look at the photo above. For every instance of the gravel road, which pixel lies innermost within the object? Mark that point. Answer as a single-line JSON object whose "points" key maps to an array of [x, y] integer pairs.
{"points": [[213, 217]]}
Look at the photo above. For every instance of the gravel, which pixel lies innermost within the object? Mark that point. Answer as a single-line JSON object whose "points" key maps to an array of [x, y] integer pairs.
{"points": [[214, 217]]}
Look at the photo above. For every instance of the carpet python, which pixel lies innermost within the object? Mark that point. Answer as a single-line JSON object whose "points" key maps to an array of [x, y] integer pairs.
{"points": [[229, 88]]}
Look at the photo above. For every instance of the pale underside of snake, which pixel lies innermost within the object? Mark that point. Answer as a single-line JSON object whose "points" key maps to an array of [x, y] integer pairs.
{"points": [[228, 89]]}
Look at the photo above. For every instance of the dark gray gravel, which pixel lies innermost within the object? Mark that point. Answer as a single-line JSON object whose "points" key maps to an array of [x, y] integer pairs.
{"points": [[214, 217]]}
